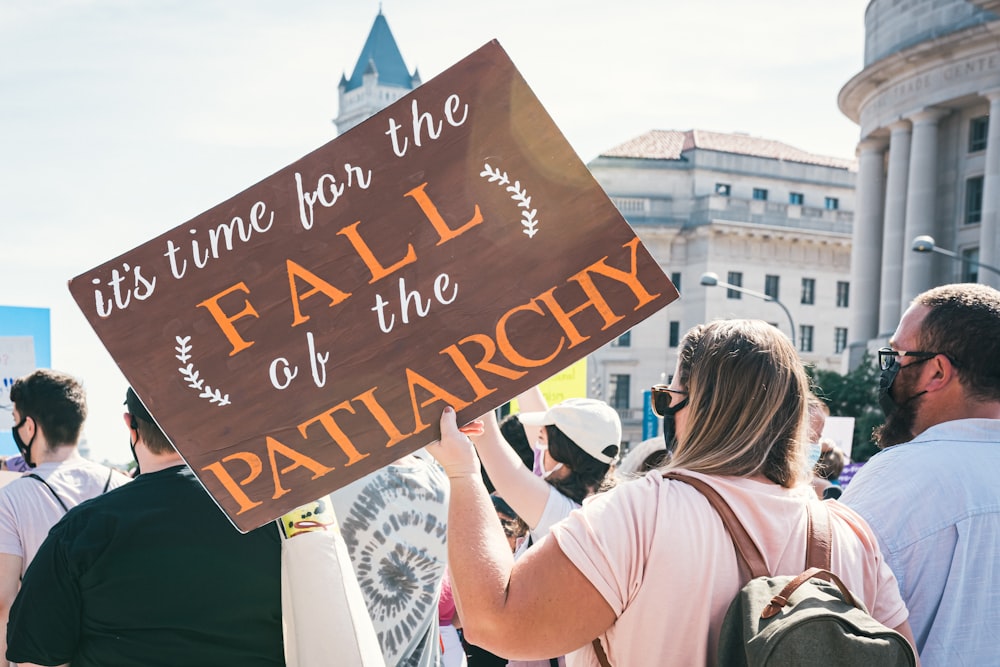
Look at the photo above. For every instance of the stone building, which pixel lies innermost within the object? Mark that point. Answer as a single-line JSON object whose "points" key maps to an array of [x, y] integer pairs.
{"points": [[761, 215], [928, 106]]}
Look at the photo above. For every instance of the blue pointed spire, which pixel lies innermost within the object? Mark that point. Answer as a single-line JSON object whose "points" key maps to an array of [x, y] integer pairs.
{"points": [[381, 54]]}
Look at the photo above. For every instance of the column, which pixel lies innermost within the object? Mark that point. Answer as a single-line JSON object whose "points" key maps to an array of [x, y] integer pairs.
{"points": [[893, 243], [921, 202], [866, 242], [989, 234]]}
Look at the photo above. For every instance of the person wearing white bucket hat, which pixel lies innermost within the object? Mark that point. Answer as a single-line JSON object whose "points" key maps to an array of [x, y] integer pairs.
{"points": [[576, 444]]}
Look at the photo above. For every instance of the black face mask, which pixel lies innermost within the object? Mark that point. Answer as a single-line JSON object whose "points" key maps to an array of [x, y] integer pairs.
{"points": [[131, 445], [669, 425], [886, 401], [22, 446]]}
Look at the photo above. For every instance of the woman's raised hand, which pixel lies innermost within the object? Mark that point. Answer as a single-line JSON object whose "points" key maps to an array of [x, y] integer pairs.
{"points": [[454, 451]]}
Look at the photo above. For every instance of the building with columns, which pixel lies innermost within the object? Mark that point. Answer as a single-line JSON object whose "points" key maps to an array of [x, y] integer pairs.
{"points": [[762, 215], [928, 106]]}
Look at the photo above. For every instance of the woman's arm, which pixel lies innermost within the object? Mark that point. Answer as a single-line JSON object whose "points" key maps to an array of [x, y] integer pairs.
{"points": [[536, 608], [532, 400], [905, 630], [523, 491]]}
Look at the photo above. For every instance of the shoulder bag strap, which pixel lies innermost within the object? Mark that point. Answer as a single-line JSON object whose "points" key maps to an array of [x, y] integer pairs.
{"points": [[820, 544], [746, 550], [49, 487], [107, 483]]}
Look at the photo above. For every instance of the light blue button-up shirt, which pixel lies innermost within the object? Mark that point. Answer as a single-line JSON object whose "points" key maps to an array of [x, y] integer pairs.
{"points": [[934, 504]]}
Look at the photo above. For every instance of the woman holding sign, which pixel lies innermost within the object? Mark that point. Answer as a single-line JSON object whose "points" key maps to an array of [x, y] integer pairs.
{"points": [[648, 568]]}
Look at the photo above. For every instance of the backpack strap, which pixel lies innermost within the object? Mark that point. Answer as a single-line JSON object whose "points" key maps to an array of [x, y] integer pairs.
{"points": [[818, 549], [746, 549], [49, 487], [107, 483], [781, 599], [820, 536]]}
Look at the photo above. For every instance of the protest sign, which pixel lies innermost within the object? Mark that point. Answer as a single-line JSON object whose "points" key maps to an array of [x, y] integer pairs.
{"points": [[450, 250]]}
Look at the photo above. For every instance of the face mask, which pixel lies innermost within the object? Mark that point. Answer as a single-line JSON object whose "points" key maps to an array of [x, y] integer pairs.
{"points": [[131, 445], [539, 454], [539, 467], [885, 382], [22, 446], [669, 424], [546, 473], [813, 451]]}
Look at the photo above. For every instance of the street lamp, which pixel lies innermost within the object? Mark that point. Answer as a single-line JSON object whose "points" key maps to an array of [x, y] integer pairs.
{"points": [[711, 279], [926, 244]]}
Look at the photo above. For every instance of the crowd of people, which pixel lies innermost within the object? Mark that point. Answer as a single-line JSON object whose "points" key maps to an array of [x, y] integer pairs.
{"points": [[530, 540]]}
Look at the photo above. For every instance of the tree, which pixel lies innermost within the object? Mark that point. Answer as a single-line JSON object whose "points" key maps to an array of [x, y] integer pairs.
{"points": [[852, 395]]}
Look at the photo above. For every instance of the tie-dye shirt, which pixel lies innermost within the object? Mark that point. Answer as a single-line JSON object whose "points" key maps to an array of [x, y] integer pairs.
{"points": [[395, 522]]}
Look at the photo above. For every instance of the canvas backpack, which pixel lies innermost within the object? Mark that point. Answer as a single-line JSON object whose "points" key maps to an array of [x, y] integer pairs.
{"points": [[811, 618]]}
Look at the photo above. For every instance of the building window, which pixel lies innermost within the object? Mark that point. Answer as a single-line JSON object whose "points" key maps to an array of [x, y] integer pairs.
{"points": [[619, 391], [809, 291], [973, 200], [760, 194], [839, 339], [625, 340], [675, 278], [831, 203], [675, 333], [771, 284], [734, 278], [978, 130], [722, 189], [806, 338], [843, 294], [795, 198], [970, 271]]}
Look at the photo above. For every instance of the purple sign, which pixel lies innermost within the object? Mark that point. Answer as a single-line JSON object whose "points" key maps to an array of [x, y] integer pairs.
{"points": [[850, 470]]}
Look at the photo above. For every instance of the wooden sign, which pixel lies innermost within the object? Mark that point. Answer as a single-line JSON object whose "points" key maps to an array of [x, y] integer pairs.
{"points": [[450, 250]]}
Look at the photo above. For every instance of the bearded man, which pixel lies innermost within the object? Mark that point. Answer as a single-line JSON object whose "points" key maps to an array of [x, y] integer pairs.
{"points": [[931, 495]]}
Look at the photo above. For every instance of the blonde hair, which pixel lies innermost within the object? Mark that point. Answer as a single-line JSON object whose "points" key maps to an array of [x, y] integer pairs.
{"points": [[747, 401]]}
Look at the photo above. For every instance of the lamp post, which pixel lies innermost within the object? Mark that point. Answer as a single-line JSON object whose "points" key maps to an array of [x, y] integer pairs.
{"points": [[926, 244], [711, 279]]}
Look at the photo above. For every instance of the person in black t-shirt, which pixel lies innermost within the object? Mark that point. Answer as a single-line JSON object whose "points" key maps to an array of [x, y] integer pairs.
{"points": [[152, 573]]}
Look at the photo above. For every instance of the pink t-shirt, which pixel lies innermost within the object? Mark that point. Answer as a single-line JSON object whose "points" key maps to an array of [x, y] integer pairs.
{"points": [[660, 556], [446, 603]]}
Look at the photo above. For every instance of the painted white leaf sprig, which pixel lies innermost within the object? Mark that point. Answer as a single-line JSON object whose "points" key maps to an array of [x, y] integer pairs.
{"points": [[193, 377], [529, 218]]}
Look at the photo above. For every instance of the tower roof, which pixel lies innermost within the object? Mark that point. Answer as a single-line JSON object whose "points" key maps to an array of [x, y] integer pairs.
{"points": [[380, 54]]}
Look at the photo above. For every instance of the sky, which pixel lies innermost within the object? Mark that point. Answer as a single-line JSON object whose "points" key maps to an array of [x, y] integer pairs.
{"points": [[121, 119]]}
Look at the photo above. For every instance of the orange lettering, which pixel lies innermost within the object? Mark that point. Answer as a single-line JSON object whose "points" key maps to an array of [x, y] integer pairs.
{"points": [[503, 340], [232, 486], [225, 322], [413, 380], [382, 417], [368, 257], [334, 431], [299, 460], [485, 364], [445, 233], [564, 318], [628, 278], [319, 285]]}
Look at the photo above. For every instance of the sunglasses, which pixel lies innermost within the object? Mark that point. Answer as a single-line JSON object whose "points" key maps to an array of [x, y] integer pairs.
{"points": [[887, 357], [662, 396]]}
